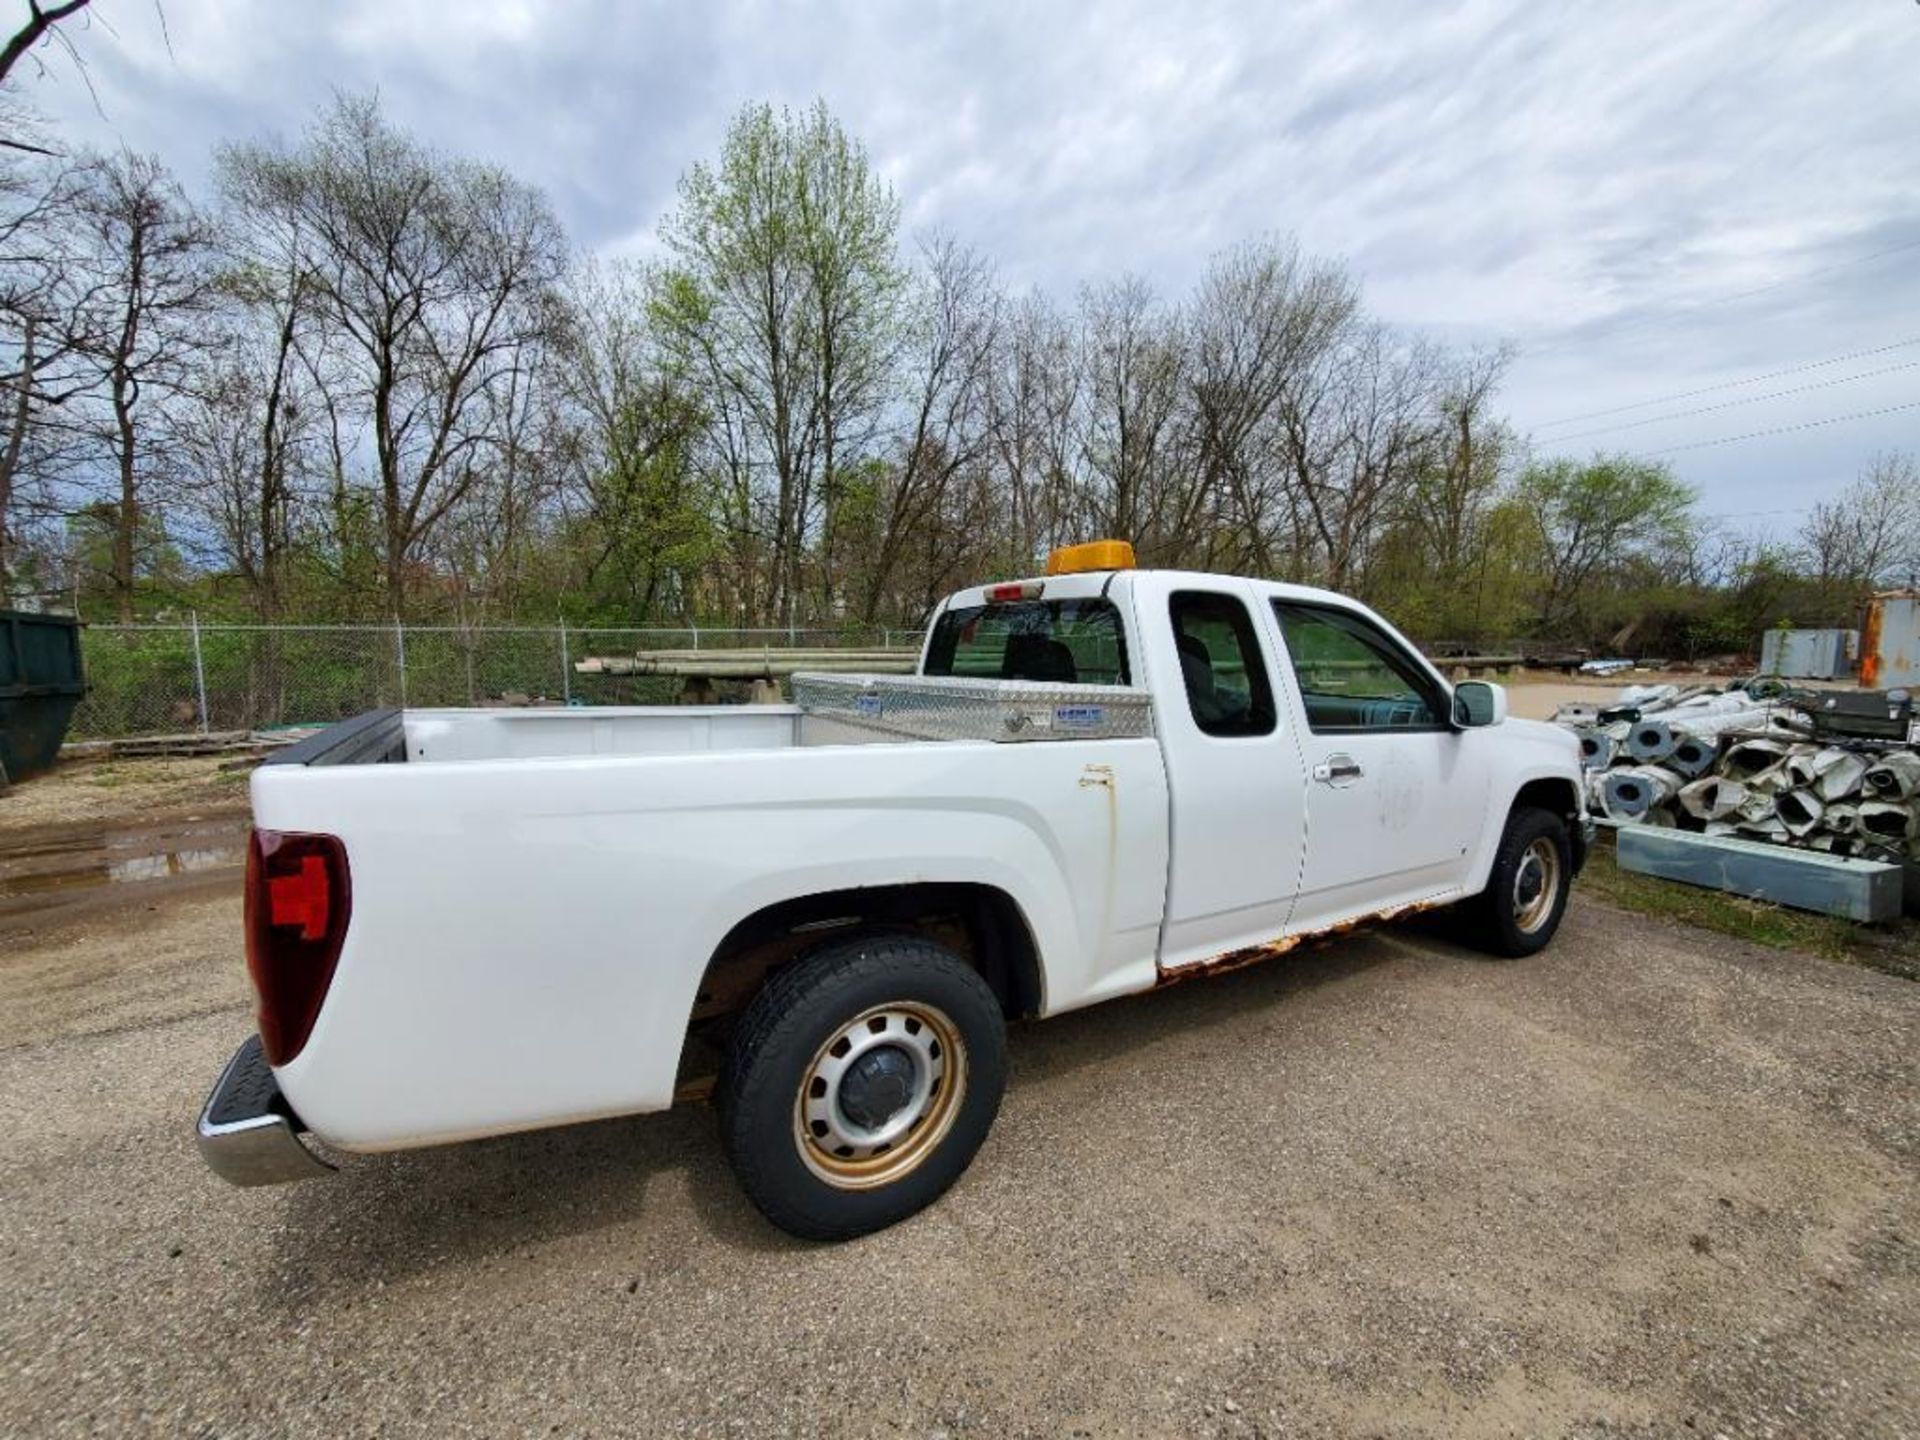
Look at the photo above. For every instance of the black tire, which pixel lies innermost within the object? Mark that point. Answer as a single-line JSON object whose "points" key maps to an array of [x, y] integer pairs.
{"points": [[1500, 922], [781, 1045]]}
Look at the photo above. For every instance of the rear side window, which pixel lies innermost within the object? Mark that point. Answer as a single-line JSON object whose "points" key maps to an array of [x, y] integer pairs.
{"points": [[1226, 680], [1352, 677], [1065, 641]]}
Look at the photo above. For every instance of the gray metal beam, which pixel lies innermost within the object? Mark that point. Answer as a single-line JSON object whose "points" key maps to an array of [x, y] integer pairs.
{"points": [[1803, 879]]}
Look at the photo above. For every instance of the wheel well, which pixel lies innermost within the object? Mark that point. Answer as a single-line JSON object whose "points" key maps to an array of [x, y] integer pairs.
{"points": [[1551, 793], [982, 925]]}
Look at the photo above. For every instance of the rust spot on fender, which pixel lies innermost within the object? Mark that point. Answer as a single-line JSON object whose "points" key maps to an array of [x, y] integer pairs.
{"points": [[1253, 954]]}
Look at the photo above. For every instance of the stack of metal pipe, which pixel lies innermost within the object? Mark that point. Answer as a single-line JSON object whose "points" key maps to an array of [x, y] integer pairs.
{"points": [[1744, 760]]}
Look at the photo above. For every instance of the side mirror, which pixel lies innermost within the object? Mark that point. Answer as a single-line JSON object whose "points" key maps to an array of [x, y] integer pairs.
{"points": [[1477, 703]]}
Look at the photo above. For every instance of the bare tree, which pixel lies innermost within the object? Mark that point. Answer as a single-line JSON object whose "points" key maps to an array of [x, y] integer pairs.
{"points": [[954, 329], [1871, 532], [1134, 353], [1260, 319], [1033, 408], [38, 26], [146, 252], [1470, 450], [245, 429], [434, 273], [45, 304], [1356, 431]]}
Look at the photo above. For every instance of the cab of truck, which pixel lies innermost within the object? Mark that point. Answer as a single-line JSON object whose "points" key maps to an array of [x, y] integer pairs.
{"points": [[1284, 712]]}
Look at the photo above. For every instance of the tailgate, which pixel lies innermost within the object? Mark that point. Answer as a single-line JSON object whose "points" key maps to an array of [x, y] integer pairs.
{"points": [[379, 737]]}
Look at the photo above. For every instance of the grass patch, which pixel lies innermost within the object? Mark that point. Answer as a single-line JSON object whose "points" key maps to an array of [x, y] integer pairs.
{"points": [[1893, 948]]}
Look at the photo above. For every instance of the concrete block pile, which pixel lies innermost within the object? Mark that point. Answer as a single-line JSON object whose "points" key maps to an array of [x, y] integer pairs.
{"points": [[1746, 761]]}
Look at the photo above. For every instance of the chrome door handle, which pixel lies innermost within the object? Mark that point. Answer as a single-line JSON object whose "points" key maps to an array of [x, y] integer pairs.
{"points": [[1337, 770]]}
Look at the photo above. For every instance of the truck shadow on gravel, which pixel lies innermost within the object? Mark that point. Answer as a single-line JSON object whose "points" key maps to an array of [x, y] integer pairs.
{"points": [[387, 1218], [663, 1179], [1102, 1034]]}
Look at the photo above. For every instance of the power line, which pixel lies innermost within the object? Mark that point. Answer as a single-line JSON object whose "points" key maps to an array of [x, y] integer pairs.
{"points": [[1734, 404], [1787, 429], [1731, 384]]}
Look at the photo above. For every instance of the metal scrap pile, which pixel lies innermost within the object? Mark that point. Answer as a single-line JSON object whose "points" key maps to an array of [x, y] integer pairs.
{"points": [[1750, 760]]}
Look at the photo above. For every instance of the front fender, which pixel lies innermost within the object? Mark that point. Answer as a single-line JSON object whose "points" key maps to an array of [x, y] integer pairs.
{"points": [[1508, 789]]}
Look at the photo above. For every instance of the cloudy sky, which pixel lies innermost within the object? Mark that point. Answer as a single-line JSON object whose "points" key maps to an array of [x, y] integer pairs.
{"points": [[1649, 200]]}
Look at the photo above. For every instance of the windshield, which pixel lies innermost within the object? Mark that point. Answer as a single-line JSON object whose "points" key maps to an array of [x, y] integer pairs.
{"points": [[1067, 641]]}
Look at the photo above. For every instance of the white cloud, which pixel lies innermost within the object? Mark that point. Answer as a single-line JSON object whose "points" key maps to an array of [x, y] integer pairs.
{"points": [[1600, 183]]}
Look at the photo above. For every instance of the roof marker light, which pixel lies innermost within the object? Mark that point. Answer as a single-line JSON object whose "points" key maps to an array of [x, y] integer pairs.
{"points": [[1094, 555]]}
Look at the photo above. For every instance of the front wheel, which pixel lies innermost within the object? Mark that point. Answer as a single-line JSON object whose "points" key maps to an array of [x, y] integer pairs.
{"points": [[859, 1084], [1528, 886]]}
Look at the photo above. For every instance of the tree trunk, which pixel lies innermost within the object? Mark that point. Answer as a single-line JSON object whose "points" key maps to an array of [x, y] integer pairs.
{"points": [[393, 520], [127, 521], [10, 459]]}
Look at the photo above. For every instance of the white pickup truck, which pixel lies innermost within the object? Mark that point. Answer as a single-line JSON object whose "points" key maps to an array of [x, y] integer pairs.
{"points": [[467, 922]]}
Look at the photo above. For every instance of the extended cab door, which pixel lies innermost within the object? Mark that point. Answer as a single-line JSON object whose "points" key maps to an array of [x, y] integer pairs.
{"points": [[1234, 769], [1395, 796]]}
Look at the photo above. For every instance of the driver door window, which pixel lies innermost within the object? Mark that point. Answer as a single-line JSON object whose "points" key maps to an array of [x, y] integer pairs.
{"points": [[1352, 678]]}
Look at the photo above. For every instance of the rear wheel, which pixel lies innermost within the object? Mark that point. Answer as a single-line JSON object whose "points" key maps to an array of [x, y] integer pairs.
{"points": [[859, 1084], [1528, 886]]}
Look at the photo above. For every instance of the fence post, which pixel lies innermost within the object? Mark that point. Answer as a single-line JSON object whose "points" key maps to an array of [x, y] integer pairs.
{"points": [[199, 669], [566, 665], [400, 658], [696, 637]]}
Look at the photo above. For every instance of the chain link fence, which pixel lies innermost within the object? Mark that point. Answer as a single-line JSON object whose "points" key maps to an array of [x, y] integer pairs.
{"points": [[177, 679]]}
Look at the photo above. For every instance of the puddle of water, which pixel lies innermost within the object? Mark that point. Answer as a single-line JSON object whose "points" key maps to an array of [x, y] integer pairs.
{"points": [[174, 862]]}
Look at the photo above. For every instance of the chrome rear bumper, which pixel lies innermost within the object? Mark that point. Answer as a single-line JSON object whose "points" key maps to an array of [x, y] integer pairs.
{"points": [[248, 1134]]}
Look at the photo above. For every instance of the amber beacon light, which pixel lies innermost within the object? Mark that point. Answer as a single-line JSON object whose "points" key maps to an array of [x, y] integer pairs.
{"points": [[1094, 555]]}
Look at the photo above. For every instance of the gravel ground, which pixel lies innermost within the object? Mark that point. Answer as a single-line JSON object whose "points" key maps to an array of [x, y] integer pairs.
{"points": [[1653, 1182], [121, 792]]}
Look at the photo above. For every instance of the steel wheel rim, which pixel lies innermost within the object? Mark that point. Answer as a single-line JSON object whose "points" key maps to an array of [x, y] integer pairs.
{"points": [[851, 1155], [1536, 884]]}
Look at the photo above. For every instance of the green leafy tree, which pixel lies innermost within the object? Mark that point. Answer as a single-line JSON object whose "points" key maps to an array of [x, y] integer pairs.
{"points": [[782, 303], [645, 525], [1594, 519]]}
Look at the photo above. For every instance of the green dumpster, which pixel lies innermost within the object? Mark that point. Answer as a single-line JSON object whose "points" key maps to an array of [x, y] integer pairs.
{"points": [[40, 683]]}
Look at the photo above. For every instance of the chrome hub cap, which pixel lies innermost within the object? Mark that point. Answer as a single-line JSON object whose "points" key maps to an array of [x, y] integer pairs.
{"points": [[880, 1095], [1536, 885]]}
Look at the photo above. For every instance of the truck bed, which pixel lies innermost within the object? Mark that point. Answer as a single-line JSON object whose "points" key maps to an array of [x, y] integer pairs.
{"points": [[831, 710], [536, 894]]}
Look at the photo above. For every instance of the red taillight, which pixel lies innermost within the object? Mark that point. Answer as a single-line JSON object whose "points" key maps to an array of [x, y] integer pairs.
{"points": [[300, 901], [298, 898]]}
